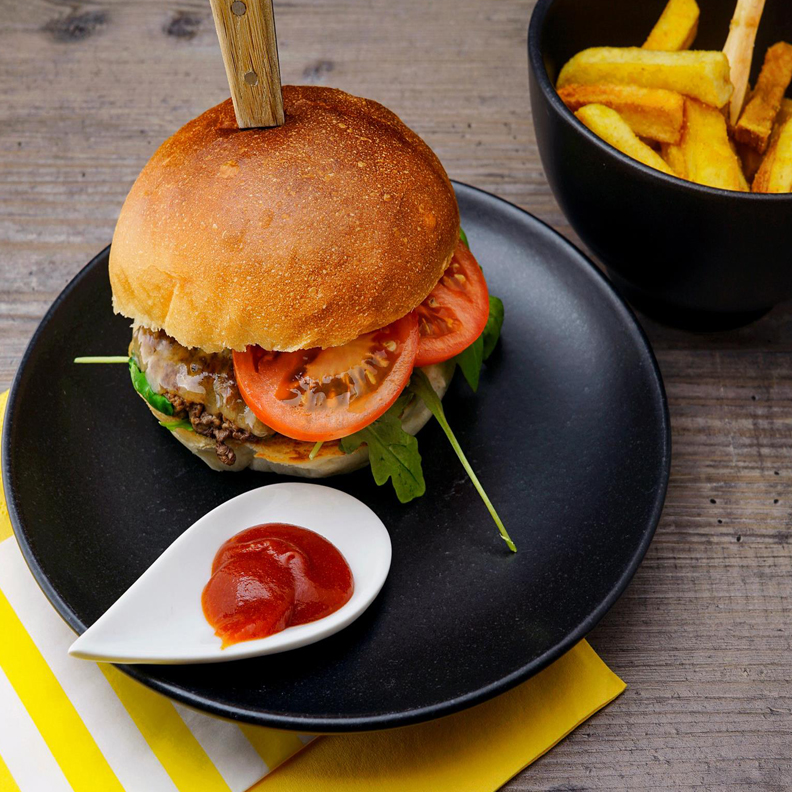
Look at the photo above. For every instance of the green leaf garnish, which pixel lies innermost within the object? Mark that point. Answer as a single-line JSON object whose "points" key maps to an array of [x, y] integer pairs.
{"points": [[315, 450], [463, 237], [420, 384], [103, 359], [393, 453], [141, 385], [492, 329], [470, 359], [184, 424]]}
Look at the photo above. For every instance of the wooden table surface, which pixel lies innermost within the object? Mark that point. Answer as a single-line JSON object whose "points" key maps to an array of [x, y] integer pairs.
{"points": [[89, 89]]}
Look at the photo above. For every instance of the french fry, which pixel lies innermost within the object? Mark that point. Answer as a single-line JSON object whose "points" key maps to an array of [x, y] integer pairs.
{"points": [[775, 172], [751, 160], [739, 50], [784, 114], [613, 129], [651, 113], [700, 75], [756, 122], [705, 155], [674, 157], [676, 28]]}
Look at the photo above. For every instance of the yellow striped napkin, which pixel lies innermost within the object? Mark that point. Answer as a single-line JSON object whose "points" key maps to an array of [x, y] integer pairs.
{"points": [[67, 724]]}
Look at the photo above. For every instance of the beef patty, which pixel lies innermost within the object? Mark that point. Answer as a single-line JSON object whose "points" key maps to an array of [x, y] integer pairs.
{"points": [[202, 389]]}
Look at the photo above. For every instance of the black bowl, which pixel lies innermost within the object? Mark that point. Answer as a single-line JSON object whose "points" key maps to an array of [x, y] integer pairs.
{"points": [[689, 255]]}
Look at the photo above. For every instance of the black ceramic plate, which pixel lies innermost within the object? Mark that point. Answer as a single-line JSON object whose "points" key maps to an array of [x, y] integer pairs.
{"points": [[568, 432]]}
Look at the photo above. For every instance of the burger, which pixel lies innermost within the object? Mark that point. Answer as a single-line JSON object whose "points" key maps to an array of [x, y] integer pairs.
{"points": [[297, 292]]}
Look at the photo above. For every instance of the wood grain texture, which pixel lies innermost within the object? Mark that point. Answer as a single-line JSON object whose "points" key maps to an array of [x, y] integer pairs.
{"points": [[88, 90], [246, 34]]}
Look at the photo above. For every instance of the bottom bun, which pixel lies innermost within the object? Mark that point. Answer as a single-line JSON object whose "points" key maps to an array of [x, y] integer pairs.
{"points": [[283, 455]]}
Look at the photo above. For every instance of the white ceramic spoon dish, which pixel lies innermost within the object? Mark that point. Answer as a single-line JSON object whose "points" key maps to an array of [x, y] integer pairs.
{"points": [[160, 618]]}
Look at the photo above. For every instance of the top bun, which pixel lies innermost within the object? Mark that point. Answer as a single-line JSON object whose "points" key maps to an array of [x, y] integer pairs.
{"points": [[306, 235]]}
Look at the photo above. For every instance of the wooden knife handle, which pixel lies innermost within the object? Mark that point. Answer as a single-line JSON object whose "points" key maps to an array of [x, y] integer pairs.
{"points": [[246, 30]]}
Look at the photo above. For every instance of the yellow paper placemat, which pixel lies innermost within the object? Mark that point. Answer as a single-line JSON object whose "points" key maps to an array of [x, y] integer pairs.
{"points": [[67, 724], [477, 750]]}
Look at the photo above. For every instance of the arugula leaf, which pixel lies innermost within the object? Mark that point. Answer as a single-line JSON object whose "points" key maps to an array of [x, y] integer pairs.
{"points": [[470, 359], [183, 424], [315, 450], [393, 453], [492, 329], [141, 385], [420, 384]]}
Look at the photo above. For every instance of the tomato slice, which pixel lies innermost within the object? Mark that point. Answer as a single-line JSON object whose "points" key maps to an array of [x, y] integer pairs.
{"points": [[454, 314], [325, 394]]}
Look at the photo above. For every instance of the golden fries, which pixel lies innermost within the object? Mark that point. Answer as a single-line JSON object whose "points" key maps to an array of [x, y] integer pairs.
{"points": [[674, 157], [700, 75], [756, 122], [651, 113], [775, 172], [676, 28], [705, 155], [684, 112], [751, 160], [613, 129], [739, 50]]}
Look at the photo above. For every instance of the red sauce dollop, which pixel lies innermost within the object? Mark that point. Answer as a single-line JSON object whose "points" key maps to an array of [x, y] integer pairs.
{"points": [[271, 577]]}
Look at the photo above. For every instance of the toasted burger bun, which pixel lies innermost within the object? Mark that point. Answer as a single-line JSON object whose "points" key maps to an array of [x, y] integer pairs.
{"points": [[307, 235], [284, 455]]}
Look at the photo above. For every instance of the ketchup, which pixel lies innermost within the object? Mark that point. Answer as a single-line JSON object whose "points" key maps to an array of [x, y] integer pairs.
{"points": [[271, 577]]}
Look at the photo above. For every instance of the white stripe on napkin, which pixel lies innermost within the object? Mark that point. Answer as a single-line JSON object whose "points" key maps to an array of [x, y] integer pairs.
{"points": [[23, 749], [86, 687], [226, 746]]}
